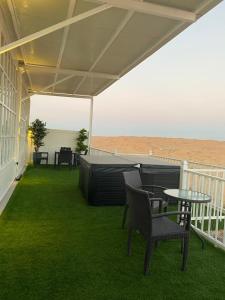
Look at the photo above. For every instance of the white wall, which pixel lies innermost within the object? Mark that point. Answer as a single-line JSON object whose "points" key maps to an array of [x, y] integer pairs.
{"points": [[7, 176], [55, 139], [14, 118]]}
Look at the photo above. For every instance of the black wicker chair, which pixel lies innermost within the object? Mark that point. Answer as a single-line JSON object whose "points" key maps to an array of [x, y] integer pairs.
{"points": [[133, 178], [154, 228], [65, 157]]}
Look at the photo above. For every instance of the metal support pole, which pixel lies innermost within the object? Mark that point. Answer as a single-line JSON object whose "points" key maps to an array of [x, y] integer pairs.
{"points": [[90, 123]]}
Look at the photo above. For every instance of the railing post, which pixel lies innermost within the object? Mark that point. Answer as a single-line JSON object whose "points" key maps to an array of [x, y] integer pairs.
{"points": [[183, 175], [150, 153]]}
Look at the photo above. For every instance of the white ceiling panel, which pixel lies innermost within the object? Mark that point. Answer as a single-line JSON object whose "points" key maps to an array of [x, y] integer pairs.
{"points": [[91, 86], [88, 37], [104, 40], [67, 86], [145, 34], [39, 83]]}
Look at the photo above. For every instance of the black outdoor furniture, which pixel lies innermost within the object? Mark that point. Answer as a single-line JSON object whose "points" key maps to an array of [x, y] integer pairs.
{"points": [[65, 157], [38, 157], [157, 172], [65, 149], [158, 201], [164, 174], [74, 159], [77, 157], [101, 179], [154, 228]]}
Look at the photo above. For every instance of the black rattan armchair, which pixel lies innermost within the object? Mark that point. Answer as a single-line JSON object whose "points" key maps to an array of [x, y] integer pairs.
{"points": [[154, 228], [65, 157], [133, 178]]}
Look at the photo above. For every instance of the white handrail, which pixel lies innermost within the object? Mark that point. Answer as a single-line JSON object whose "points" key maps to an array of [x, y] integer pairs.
{"points": [[207, 219], [192, 164], [96, 151]]}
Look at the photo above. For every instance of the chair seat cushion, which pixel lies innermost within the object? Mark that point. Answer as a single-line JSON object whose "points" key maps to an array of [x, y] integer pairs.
{"points": [[164, 228]]}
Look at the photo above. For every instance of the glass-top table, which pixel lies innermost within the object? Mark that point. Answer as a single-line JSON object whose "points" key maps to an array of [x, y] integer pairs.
{"points": [[185, 200], [188, 195]]}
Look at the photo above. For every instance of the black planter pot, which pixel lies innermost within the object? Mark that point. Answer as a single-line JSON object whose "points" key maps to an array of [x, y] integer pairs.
{"points": [[36, 158]]}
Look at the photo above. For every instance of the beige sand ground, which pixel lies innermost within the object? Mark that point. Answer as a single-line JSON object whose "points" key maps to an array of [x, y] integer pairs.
{"points": [[207, 151]]}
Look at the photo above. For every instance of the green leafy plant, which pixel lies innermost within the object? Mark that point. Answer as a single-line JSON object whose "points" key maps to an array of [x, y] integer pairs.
{"points": [[82, 137], [38, 132]]}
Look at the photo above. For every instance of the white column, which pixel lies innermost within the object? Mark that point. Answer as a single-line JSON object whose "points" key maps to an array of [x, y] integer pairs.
{"points": [[90, 123]]}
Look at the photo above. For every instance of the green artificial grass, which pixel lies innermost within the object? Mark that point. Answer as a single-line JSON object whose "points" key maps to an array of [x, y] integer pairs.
{"points": [[54, 246]]}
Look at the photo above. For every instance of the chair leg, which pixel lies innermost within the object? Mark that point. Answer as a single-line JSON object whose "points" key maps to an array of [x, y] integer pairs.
{"points": [[148, 255], [129, 241], [124, 216], [182, 246], [185, 253]]}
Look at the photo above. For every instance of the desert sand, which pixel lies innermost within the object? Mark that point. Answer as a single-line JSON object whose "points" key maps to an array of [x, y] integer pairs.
{"points": [[205, 151]]}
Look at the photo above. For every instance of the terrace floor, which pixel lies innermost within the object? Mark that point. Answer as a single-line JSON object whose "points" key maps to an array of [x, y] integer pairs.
{"points": [[54, 246]]}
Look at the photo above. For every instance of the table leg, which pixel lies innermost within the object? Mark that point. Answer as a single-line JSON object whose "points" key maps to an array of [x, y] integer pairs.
{"points": [[188, 208]]}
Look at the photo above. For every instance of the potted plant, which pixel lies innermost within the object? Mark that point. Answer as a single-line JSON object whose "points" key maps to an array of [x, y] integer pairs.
{"points": [[38, 132], [82, 147]]}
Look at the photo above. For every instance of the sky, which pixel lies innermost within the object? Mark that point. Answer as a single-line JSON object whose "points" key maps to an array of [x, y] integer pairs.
{"points": [[179, 91]]}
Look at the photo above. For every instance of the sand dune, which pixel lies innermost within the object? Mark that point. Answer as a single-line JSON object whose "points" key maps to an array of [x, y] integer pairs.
{"points": [[206, 151]]}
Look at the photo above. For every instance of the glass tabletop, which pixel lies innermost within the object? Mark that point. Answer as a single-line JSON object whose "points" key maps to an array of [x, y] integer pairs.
{"points": [[188, 195]]}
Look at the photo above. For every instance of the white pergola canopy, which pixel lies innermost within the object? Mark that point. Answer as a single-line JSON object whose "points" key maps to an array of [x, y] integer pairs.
{"points": [[80, 47]]}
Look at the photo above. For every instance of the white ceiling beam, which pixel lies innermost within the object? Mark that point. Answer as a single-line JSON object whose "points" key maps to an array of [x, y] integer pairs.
{"points": [[70, 11], [107, 46], [57, 82], [151, 9], [53, 28], [53, 70], [43, 90], [62, 94], [49, 86]]}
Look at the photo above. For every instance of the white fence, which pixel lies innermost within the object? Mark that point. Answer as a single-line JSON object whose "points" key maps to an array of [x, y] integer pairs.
{"points": [[207, 219], [99, 152], [191, 164]]}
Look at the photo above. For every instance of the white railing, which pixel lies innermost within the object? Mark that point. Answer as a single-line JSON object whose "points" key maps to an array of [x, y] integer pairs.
{"points": [[207, 219], [100, 152], [168, 159], [191, 164], [175, 161]]}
